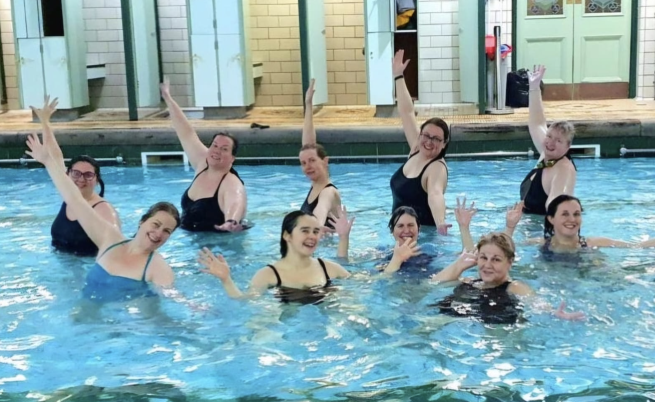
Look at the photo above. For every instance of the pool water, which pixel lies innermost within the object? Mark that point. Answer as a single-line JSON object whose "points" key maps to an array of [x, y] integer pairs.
{"points": [[375, 339]]}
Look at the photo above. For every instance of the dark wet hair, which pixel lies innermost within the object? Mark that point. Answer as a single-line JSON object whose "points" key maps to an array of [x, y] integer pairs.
{"points": [[320, 150], [435, 121], [549, 229], [501, 240], [400, 211], [289, 223], [162, 206], [96, 168], [235, 142]]}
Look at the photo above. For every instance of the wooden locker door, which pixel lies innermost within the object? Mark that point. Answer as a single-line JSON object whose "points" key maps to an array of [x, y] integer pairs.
{"points": [[145, 52], [205, 70], [380, 27], [30, 70], [231, 71], [55, 70]]}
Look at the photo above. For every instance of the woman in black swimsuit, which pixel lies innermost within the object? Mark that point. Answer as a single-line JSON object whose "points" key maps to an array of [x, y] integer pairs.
{"points": [[324, 196], [420, 182], [297, 275], [67, 233]]}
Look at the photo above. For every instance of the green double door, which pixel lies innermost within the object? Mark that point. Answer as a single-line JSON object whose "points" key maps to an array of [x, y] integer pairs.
{"points": [[585, 45]]}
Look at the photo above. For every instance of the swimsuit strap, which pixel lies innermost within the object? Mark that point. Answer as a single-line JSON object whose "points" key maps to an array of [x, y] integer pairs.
{"points": [[143, 278], [221, 182], [428, 164], [99, 202], [279, 281], [200, 172], [327, 277], [114, 245]]}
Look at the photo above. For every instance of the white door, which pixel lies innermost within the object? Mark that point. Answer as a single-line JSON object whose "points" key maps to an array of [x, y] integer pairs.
{"points": [[380, 24], [145, 52], [315, 28], [201, 16], [231, 71], [468, 50], [204, 67], [55, 68], [30, 69]]}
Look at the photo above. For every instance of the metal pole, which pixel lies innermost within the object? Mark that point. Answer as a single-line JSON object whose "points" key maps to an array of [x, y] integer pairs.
{"points": [[500, 102], [130, 71], [304, 47]]}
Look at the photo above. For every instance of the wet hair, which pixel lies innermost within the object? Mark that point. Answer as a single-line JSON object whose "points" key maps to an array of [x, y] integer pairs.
{"points": [[96, 168], [566, 128], [400, 211], [549, 229], [235, 142], [162, 206], [320, 150], [435, 121], [501, 240], [289, 223]]}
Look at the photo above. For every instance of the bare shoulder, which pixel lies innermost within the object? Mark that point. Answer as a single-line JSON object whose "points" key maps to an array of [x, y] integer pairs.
{"points": [[335, 270], [519, 288], [264, 277], [159, 272]]}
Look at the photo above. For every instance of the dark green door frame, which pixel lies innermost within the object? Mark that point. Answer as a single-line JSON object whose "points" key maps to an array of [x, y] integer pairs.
{"points": [[482, 57], [304, 47], [634, 37], [130, 70]]}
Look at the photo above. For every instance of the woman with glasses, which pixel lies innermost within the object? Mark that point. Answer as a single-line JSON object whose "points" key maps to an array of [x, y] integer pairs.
{"points": [[67, 233], [421, 182]]}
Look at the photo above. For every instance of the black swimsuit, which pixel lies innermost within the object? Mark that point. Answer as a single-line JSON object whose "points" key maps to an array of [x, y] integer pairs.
{"points": [[532, 190], [408, 192], [314, 295], [202, 214], [490, 305], [68, 236], [309, 208]]}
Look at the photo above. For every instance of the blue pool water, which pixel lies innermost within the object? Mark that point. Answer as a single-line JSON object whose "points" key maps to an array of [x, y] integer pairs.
{"points": [[376, 339]]}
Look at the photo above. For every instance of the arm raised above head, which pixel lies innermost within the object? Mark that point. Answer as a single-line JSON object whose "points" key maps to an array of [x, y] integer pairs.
{"points": [[537, 119], [193, 147], [308, 130], [405, 103]]}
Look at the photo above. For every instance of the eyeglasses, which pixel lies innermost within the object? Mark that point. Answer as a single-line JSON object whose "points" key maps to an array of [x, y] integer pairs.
{"points": [[76, 174], [434, 140]]}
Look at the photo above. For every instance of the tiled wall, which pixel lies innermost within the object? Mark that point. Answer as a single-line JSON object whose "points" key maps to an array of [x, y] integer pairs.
{"points": [[275, 41], [646, 59], [9, 55], [499, 12]]}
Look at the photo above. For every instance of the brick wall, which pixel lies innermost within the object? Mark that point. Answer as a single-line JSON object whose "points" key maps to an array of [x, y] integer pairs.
{"points": [[275, 41], [9, 55]]}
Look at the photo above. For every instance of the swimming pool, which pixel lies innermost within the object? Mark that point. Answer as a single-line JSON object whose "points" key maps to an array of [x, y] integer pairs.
{"points": [[374, 340]]}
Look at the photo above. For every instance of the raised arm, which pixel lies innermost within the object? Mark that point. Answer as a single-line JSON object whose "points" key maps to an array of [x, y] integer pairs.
{"points": [[193, 147], [513, 217], [235, 199], [44, 114], [343, 226], [537, 120], [401, 253], [308, 130], [405, 103], [101, 232], [464, 216], [437, 179], [452, 272]]}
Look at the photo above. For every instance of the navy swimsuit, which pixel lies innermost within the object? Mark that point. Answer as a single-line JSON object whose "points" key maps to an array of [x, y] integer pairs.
{"points": [[101, 286], [309, 208], [532, 190], [202, 214], [314, 295], [410, 193], [68, 236]]}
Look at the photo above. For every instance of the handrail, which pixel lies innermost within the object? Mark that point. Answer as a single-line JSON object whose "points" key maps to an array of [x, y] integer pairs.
{"points": [[623, 151], [24, 161], [529, 153]]}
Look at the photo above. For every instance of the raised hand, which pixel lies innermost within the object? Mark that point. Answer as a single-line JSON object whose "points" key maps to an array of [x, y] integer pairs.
{"points": [[536, 75], [309, 96], [575, 316], [165, 88], [514, 215], [463, 214], [37, 150], [49, 108], [342, 225], [466, 260], [405, 251], [398, 66], [216, 265]]}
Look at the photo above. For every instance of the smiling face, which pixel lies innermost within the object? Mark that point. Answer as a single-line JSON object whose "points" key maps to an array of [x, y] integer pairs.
{"points": [[84, 176], [406, 227], [431, 141], [304, 237], [567, 220], [493, 265], [220, 152], [156, 230], [312, 165], [556, 144]]}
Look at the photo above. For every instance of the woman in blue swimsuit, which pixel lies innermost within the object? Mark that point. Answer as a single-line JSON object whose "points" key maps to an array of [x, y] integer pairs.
{"points": [[67, 234], [297, 276], [124, 267]]}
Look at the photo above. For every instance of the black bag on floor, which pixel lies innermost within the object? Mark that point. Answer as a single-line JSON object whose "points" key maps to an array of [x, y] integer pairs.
{"points": [[518, 87]]}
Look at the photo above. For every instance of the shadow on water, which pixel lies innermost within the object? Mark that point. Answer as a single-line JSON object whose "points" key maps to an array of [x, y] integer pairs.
{"points": [[613, 391]]}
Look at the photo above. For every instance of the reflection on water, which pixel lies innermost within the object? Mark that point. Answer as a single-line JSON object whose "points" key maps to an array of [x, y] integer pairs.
{"points": [[374, 338]]}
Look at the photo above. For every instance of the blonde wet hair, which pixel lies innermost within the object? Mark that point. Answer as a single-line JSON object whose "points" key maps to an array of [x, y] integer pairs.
{"points": [[500, 240]]}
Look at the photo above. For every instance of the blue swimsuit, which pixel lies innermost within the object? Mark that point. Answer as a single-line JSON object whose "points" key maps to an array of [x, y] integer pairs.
{"points": [[102, 286]]}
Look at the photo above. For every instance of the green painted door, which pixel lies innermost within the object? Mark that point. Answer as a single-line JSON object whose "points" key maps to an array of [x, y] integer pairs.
{"points": [[583, 43], [602, 47]]}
